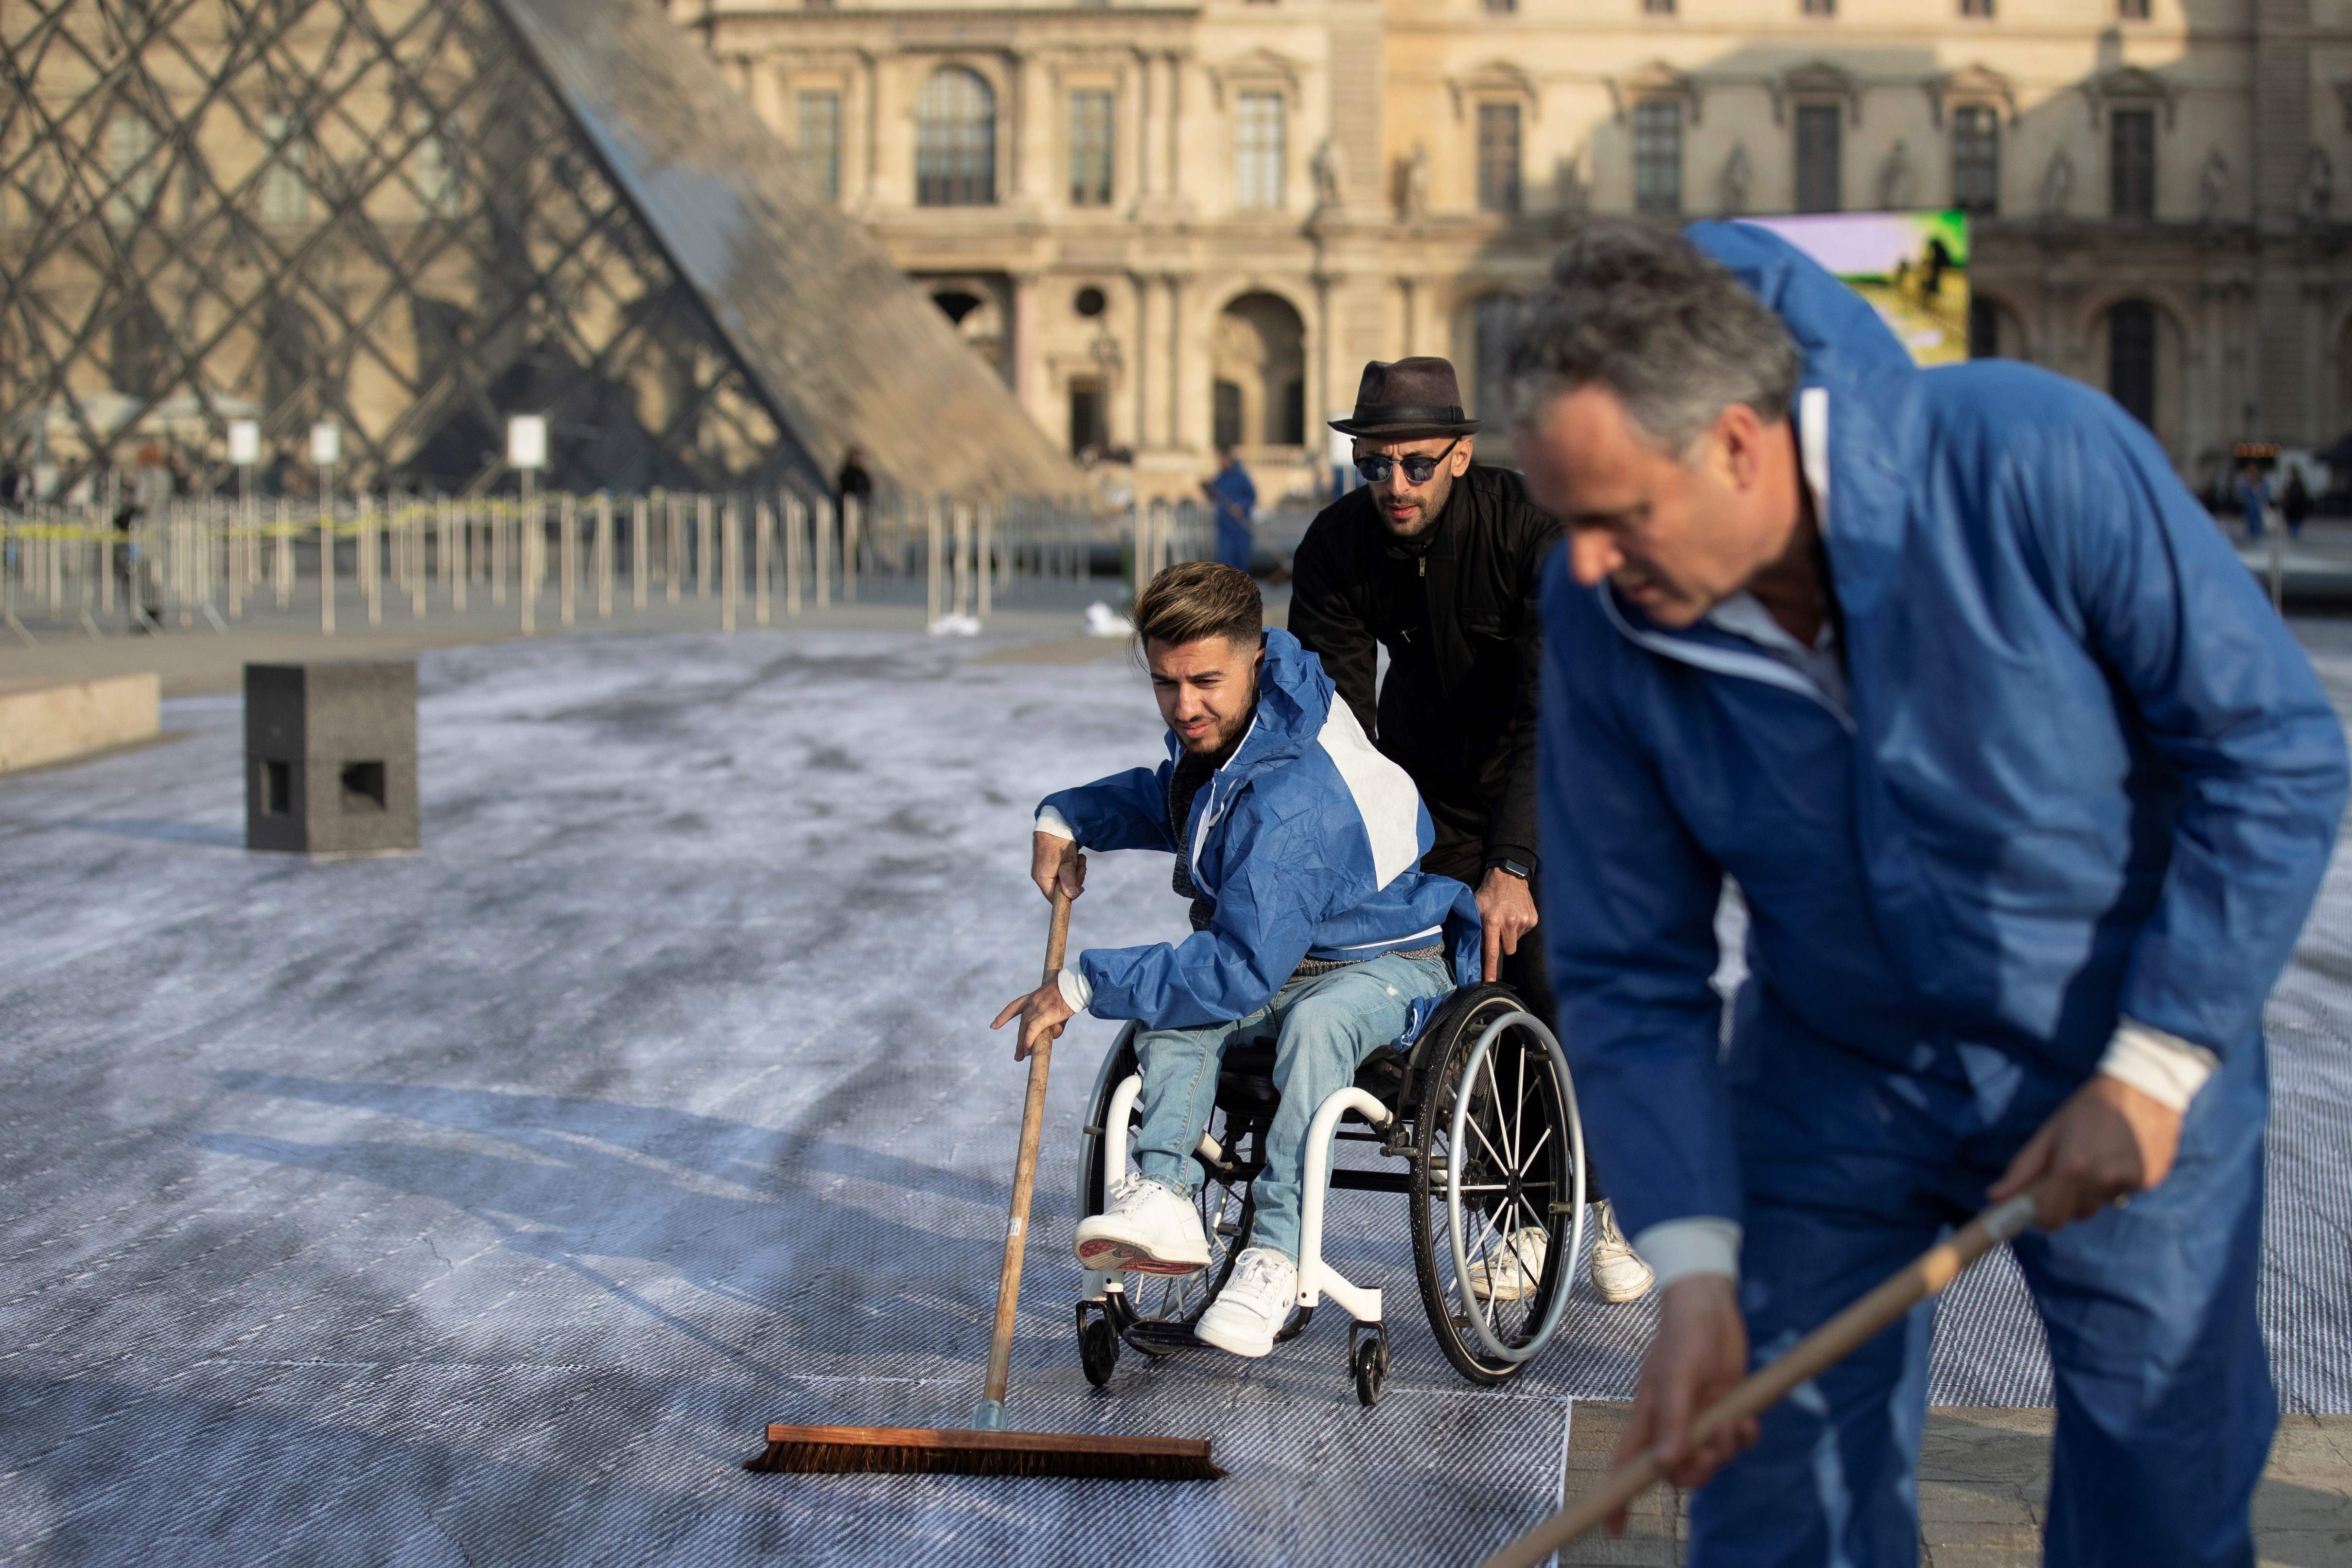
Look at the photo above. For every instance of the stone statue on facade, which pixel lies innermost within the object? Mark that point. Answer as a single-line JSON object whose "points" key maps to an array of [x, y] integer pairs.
{"points": [[1896, 184], [2318, 192], [2213, 186], [2058, 184], [1330, 171], [1416, 183], [1738, 173]]}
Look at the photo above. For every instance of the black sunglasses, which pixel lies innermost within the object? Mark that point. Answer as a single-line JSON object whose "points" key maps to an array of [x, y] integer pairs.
{"points": [[1419, 468]]}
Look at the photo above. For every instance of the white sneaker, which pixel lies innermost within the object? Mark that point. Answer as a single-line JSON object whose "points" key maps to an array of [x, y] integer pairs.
{"points": [[1618, 1272], [1254, 1305], [1147, 1228], [1512, 1270]]}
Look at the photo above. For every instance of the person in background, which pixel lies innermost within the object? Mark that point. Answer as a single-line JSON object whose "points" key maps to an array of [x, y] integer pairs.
{"points": [[2295, 504], [1437, 562], [853, 483], [1235, 499], [2253, 499]]}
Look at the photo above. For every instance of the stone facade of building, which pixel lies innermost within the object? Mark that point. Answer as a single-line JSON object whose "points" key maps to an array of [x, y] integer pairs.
{"points": [[1168, 225]]}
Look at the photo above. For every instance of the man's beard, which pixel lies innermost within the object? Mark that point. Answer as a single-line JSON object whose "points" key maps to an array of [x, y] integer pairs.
{"points": [[1431, 502], [1222, 748]]}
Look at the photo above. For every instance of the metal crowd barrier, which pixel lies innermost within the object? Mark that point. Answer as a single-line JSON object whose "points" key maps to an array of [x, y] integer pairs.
{"points": [[206, 562]]}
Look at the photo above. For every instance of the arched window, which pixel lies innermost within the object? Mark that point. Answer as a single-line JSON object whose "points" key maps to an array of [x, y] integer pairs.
{"points": [[2131, 359], [955, 141], [1259, 364]]}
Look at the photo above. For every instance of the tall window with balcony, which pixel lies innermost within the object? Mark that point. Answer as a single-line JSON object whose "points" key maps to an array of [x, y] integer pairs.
{"points": [[2131, 163], [1499, 157], [955, 141], [1976, 158], [432, 166], [1820, 158], [285, 192], [1658, 156], [1258, 142], [130, 165], [820, 140], [1090, 148]]}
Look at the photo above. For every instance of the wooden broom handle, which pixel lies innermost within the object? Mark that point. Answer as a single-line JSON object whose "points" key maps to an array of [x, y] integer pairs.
{"points": [[1024, 1170], [1925, 1276]]}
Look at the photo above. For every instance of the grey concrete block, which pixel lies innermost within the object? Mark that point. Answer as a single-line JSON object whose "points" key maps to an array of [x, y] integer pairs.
{"points": [[330, 756]]}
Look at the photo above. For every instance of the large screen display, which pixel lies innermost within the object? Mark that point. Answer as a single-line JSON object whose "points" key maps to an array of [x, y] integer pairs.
{"points": [[1912, 267]]}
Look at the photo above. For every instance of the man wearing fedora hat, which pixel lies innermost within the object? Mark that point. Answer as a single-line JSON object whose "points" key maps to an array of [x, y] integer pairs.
{"points": [[1438, 562]]}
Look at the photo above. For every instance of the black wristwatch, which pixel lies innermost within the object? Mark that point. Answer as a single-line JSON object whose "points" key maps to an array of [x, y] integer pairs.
{"points": [[1504, 863]]}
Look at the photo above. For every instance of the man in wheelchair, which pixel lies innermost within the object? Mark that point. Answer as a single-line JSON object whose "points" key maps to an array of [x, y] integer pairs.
{"points": [[1295, 843]]}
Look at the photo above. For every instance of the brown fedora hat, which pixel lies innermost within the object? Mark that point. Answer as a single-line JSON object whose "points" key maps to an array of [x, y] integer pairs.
{"points": [[1407, 400]]}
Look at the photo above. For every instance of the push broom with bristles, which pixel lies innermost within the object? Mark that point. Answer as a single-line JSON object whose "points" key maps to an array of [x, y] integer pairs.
{"points": [[987, 1449]]}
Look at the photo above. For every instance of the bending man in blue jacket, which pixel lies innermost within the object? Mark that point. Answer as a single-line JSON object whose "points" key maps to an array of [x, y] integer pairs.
{"points": [[1295, 843], [2028, 792]]}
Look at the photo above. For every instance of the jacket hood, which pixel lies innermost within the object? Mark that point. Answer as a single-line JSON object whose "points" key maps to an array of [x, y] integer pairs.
{"points": [[1844, 342], [1857, 404]]}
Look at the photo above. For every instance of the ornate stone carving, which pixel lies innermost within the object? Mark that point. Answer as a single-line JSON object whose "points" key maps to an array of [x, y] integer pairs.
{"points": [[2057, 184], [1738, 174], [1414, 203], [1330, 171], [1896, 186], [2318, 191], [2213, 186]]}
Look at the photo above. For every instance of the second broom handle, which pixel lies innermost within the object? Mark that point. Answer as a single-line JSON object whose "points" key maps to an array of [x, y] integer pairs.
{"points": [[1767, 1387], [1025, 1172]]}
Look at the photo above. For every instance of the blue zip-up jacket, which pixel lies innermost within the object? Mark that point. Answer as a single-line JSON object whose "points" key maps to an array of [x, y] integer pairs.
{"points": [[2086, 773], [1307, 840]]}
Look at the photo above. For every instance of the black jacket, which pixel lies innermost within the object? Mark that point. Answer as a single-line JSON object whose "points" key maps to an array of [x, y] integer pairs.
{"points": [[1456, 610]]}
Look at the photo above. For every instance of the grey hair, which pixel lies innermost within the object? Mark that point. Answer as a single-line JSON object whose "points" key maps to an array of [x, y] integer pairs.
{"points": [[1640, 311]]}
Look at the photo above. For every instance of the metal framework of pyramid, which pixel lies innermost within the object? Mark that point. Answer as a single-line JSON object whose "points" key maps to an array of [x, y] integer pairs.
{"points": [[415, 218]]}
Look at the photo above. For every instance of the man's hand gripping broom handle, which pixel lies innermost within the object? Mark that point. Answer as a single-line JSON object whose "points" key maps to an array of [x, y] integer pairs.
{"points": [[1927, 1275], [989, 1415]]}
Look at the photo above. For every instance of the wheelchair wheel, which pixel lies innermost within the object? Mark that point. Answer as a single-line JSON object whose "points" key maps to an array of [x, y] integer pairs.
{"points": [[1155, 1312], [1497, 1217]]}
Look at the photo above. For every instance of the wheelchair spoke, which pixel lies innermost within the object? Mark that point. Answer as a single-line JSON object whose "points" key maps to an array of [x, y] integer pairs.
{"points": [[1521, 1169], [1520, 1111], [1496, 1089], [1493, 1152]]}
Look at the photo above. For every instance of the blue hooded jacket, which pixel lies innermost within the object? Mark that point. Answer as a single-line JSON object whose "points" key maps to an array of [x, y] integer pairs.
{"points": [[1307, 840], [2083, 772]]}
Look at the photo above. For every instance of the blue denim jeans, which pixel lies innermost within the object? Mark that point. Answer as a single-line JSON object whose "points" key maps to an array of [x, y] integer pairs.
{"points": [[1324, 1028]]}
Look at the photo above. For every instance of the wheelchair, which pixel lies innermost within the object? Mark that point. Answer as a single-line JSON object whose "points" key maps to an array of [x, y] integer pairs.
{"points": [[1480, 1113]]}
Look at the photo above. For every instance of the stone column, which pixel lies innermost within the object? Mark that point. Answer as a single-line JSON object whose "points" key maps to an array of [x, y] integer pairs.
{"points": [[1173, 180], [1146, 95], [1174, 285], [1146, 317], [1026, 381], [873, 129]]}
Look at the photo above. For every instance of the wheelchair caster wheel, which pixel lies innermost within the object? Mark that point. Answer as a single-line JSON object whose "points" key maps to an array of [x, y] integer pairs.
{"points": [[1097, 1343], [1369, 1361]]}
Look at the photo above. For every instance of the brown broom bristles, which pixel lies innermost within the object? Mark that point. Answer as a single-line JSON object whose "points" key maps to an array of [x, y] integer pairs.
{"points": [[915, 1451]]}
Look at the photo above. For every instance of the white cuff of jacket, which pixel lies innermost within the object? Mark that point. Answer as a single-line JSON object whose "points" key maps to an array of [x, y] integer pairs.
{"points": [[2165, 1068], [1075, 992], [1699, 1243]]}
